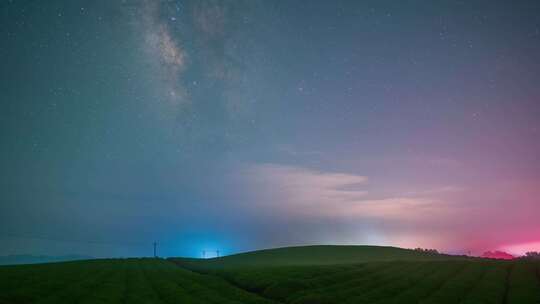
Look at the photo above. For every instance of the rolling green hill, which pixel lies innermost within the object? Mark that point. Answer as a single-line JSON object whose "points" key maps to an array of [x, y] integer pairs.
{"points": [[371, 274], [437, 281], [296, 275], [116, 281], [314, 255]]}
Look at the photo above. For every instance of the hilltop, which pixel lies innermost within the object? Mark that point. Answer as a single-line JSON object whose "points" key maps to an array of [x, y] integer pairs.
{"points": [[294, 275], [315, 255]]}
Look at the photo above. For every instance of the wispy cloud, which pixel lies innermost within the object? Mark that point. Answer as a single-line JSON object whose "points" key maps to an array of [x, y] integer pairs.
{"points": [[300, 193], [447, 217], [316, 193], [307, 188], [449, 189]]}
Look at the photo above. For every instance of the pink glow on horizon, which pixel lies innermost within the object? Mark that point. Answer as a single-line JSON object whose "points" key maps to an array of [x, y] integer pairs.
{"points": [[452, 218], [499, 255], [521, 249]]}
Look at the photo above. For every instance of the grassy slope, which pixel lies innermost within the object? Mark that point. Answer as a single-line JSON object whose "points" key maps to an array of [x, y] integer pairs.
{"points": [[298, 275], [367, 274], [312, 255], [396, 282], [116, 281]]}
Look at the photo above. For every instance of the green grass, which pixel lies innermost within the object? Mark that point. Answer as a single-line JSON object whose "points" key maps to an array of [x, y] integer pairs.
{"points": [[368, 274], [523, 283], [326, 275], [314, 255], [385, 282], [116, 281]]}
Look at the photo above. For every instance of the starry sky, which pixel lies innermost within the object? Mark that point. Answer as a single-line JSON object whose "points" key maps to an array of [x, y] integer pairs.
{"points": [[240, 125]]}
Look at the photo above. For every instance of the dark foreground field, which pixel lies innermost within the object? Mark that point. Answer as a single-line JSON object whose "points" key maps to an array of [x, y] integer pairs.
{"points": [[321, 274]]}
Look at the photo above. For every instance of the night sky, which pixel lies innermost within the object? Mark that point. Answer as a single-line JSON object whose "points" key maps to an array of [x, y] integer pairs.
{"points": [[240, 125]]}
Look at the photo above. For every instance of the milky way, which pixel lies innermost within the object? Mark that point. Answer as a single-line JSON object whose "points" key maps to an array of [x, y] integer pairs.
{"points": [[239, 125]]}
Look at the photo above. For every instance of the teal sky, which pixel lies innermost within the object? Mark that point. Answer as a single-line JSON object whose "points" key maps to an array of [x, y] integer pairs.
{"points": [[238, 125]]}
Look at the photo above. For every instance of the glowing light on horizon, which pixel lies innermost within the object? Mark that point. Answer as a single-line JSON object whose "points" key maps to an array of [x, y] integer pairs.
{"points": [[521, 249]]}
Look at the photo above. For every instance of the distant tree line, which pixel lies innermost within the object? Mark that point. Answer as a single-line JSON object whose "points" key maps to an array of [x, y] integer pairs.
{"points": [[425, 250], [532, 255]]}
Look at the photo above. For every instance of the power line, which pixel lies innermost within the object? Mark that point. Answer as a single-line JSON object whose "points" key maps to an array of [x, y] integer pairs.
{"points": [[92, 242]]}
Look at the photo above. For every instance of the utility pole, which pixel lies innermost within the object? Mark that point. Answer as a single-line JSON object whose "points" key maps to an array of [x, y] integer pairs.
{"points": [[217, 253], [155, 248], [204, 254]]}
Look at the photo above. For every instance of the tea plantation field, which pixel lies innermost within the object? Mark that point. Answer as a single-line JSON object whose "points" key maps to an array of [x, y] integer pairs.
{"points": [[116, 281], [315, 274], [434, 282]]}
